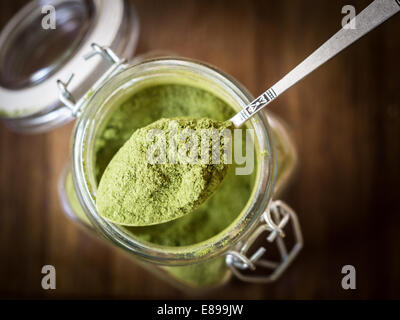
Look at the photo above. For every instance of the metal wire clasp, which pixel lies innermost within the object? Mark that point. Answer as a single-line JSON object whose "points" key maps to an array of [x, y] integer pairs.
{"points": [[274, 220], [116, 65]]}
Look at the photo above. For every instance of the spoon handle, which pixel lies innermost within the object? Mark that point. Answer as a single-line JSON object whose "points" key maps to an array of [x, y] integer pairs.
{"points": [[372, 16]]}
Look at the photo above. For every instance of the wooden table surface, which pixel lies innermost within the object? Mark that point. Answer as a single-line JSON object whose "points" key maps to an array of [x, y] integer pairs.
{"points": [[345, 119]]}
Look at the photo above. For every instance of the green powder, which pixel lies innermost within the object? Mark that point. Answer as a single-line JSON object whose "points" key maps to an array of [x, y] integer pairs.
{"points": [[73, 200], [206, 274], [214, 215], [153, 181]]}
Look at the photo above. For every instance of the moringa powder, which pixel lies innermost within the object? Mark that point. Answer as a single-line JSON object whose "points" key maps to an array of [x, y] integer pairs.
{"points": [[214, 215], [156, 179]]}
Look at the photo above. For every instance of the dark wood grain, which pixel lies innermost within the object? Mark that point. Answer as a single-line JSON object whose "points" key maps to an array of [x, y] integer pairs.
{"points": [[345, 118]]}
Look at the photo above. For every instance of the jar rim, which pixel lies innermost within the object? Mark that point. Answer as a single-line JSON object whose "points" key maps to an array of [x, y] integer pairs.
{"points": [[85, 184]]}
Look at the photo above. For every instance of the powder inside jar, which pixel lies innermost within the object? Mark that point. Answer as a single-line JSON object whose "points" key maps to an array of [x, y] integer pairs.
{"points": [[211, 217]]}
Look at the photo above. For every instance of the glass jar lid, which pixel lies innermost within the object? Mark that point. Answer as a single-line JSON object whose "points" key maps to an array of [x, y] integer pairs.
{"points": [[34, 56]]}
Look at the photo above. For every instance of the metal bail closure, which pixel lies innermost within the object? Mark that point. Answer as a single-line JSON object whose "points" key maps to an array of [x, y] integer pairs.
{"points": [[274, 220], [116, 65]]}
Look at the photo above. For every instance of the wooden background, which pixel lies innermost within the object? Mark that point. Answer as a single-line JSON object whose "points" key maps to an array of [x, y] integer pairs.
{"points": [[346, 122]]}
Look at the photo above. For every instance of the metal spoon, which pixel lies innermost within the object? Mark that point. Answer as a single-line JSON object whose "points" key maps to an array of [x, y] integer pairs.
{"points": [[372, 16]]}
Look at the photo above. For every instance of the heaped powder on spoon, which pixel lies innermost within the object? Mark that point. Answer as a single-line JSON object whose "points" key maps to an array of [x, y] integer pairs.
{"points": [[165, 171]]}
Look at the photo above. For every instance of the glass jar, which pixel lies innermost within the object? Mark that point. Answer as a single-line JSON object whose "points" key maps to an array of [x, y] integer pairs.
{"points": [[211, 262], [54, 85]]}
